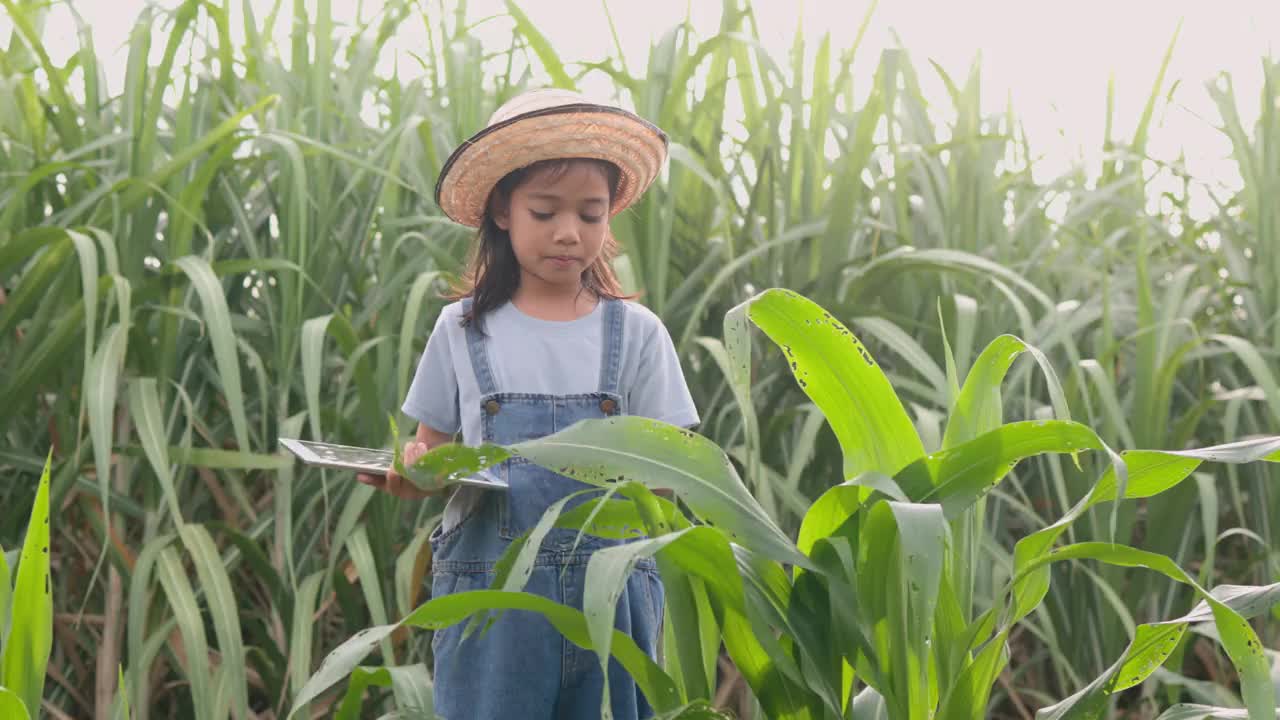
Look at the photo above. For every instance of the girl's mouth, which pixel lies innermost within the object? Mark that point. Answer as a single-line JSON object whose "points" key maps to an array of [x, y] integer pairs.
{"points": [[563, 261]]}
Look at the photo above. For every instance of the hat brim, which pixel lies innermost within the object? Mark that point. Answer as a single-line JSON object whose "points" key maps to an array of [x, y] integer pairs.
{"points": [[636, 146]]}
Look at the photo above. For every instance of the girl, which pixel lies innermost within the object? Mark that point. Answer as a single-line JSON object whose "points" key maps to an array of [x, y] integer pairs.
{"points": [[540, 338]]}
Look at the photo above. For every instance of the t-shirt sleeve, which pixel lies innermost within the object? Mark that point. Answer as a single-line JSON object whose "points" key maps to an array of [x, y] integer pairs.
{"points": [[433, 394], [660, 391]]}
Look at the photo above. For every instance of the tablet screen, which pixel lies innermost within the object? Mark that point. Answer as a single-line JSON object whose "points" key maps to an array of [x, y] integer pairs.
{"points": [[341, 456], [370, 460]]}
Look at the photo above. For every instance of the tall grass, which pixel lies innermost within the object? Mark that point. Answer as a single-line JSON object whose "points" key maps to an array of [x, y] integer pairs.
{"points": [[186, 279]]}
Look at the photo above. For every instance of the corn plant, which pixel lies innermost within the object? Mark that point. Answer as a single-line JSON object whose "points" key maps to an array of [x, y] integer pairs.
{"points": [[869, 612]]}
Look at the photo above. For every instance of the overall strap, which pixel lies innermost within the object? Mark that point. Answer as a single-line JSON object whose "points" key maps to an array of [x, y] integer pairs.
{"points": [[615, 314], [476, 347]]}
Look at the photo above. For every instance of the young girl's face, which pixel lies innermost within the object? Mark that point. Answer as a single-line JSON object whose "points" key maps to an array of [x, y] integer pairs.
{"points": [[557, 222]]}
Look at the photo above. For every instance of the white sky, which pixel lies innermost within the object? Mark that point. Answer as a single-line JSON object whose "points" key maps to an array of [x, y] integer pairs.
{"points": [[1052, 57]]}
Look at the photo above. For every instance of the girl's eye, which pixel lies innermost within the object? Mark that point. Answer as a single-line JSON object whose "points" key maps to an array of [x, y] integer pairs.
{"points": [[541, 215], [592, 218]]}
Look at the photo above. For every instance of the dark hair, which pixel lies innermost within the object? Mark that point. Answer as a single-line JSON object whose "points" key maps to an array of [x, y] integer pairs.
{"points": [[493, 273]]}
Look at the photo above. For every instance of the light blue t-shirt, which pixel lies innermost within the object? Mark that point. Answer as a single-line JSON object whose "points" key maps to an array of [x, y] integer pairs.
{"points": [[547, 357]]}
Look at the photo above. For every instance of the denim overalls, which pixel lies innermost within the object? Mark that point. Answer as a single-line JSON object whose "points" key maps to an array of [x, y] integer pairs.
{"points": [[522, 667]]}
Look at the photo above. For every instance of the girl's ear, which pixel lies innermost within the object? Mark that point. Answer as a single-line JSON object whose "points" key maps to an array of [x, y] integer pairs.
{"points": [[500, 210]]}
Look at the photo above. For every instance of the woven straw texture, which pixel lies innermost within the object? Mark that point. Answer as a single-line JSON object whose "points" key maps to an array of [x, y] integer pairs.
{"points": [[545, 125]]}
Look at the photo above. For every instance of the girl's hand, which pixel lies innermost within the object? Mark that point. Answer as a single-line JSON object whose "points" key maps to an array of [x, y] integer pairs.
{"points": [[396, 484]]}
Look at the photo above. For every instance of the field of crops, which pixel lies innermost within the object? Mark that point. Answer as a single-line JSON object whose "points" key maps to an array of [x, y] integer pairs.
{"points": [[1001, 493]]}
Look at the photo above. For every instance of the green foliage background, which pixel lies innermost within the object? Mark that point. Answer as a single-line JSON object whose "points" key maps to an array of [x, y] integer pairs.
{"points": [[226, 252]]}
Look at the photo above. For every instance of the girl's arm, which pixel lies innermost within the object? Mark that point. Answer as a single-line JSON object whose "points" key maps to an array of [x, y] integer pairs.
{"points": [[427, 438]]}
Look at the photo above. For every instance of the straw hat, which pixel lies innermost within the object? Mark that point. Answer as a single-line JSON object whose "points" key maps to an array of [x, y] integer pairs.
{"points": [[544, 125]]}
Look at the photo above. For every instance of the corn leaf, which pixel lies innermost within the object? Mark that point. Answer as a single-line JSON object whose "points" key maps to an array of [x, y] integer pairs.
{"points": [[29, 639], [839, 375]]}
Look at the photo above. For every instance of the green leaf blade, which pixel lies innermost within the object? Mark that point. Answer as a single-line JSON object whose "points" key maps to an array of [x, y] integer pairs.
{"points": [[30, 630]]}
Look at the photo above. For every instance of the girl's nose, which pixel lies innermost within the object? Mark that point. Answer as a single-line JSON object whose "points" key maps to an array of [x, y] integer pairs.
{"points": [[566, 232]]}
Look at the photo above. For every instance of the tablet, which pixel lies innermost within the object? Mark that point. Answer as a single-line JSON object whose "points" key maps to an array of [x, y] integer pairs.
{"points": [[366, 460]]}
